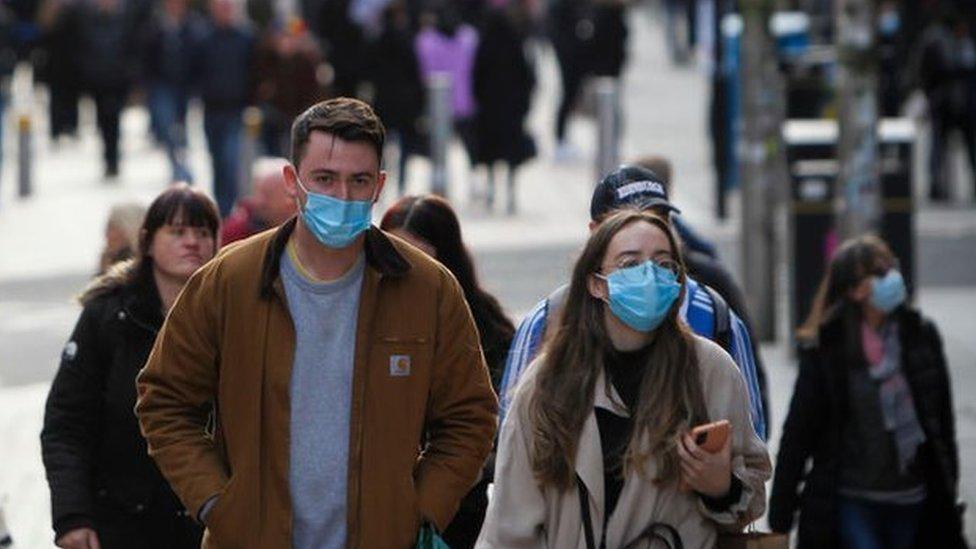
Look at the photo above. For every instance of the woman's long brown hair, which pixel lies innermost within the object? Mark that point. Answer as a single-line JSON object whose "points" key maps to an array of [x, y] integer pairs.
{"points": [[670, 400]]}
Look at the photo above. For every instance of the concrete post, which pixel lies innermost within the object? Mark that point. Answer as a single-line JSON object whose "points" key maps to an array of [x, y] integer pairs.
{"points": [[253, 119], [608, 132], [859, 210], [762, 165], [25, 180], [440, 114]]}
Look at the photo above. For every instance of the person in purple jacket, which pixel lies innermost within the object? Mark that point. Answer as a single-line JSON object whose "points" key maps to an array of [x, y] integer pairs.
{"points": [[447, 45]]}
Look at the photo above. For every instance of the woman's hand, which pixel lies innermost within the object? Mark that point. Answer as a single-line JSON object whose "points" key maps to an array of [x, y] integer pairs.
{"points": [[706, 473], [79, 538]]}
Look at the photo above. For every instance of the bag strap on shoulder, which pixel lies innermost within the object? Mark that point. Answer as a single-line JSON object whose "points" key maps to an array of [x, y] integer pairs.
{"points": [[722, 333]]}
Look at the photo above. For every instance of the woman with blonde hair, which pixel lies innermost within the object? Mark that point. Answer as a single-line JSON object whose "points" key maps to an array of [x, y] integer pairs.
{"points": [[872, 412], [596, 450]]}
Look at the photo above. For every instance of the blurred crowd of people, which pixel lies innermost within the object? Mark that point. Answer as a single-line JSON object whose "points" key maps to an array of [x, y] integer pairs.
{"points": [[283, 57]]}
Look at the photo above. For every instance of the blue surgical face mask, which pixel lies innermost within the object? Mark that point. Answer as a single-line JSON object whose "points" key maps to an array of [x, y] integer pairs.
{"points": [[888, 291], [642, 295], [335, 223]]}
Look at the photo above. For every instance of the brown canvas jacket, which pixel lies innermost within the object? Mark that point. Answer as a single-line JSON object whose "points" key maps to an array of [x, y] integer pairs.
{"points": [[419, 374]]}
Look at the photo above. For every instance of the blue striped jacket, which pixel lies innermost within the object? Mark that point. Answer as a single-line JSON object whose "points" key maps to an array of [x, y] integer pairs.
{"points": [[697, 310]]}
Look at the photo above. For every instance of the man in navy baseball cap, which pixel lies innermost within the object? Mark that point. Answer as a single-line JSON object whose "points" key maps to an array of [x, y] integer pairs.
{"points": [[629, 186]]}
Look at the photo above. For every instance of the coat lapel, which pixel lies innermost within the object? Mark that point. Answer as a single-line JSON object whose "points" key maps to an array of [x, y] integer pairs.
{"points": [[589, 452]]}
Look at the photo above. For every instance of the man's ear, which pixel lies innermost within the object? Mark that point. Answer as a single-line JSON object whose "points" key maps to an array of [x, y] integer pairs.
{"points": [[380, 183], [291, 181]]}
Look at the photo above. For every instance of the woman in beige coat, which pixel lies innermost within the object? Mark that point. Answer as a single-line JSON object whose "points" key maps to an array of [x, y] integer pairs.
{"points": [[603, 415]]}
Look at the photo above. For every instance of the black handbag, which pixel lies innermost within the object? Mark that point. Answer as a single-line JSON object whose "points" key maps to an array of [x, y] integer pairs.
{"points": [[656, 531]]}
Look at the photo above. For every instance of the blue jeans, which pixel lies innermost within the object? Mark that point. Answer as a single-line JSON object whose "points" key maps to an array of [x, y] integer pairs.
{"points": [[167, 106], [868, 525], [224, 132]]}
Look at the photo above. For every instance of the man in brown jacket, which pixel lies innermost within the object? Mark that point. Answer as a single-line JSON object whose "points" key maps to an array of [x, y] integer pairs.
{"points": [[350, 398]]}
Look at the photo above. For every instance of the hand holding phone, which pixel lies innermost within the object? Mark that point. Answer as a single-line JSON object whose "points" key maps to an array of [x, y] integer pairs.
{"points": [[706, 459]]}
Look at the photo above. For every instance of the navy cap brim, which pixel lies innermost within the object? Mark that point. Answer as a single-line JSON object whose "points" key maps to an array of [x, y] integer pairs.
{"points": [[657, 203]]}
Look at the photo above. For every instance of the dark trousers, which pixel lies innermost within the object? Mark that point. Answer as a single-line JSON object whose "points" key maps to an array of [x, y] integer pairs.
{"points": [[571, 71], [944, 123], [108, 108], [167, 108], [63, 110], [224, 128], [869, 525]]}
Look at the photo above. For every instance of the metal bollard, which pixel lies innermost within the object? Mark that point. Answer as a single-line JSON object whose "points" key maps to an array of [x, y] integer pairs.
{"points": [[608, 135], [440, 114], [25, 183], [253, 120]]}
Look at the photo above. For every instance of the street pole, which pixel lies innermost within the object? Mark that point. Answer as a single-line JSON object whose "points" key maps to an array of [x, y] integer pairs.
{"points": [[762, 164], [607, 108], [858, 183], [439, 93]]}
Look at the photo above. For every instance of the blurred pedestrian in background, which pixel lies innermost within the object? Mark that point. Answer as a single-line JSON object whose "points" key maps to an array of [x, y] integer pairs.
{"points": [[399, 93], [343, 44], [948, 77], [429, 223], [105, 489], [268, 206], [598, 434], [59, 67], [224, 75], [504, 79], [446, 44], [872, 410], [289, 79], [121, 234], [170, 47], [107, 59], [571, 32]]}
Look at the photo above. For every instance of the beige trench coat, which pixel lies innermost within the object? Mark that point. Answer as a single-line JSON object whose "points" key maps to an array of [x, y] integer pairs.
{"points": [[521, 514]]}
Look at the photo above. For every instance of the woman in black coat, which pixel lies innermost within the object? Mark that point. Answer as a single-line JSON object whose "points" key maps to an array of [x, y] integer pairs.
{"points": [[872, 409], [504, 78], [105, 489]]}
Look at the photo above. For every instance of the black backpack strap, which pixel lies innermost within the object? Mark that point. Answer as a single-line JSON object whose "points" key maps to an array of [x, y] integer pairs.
{"points": [[722, 333]]}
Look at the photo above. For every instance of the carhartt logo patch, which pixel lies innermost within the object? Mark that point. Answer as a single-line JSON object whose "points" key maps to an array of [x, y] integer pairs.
{"points": [[400, 365]]}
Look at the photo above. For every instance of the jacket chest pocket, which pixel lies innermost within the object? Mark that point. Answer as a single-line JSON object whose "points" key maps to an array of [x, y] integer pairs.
{"points": [[400, 377]]}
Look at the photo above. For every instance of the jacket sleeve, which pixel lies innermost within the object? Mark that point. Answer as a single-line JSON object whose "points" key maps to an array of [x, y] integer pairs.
{"points": [[70, 434], [800, 431], [750, 457], [176, 390], [947, 414], [524, 347], [517, 508], [741, 350], [461, 412]]}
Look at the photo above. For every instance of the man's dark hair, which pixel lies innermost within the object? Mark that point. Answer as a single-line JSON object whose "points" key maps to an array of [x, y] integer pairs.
{"points": [[346, 118]]}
